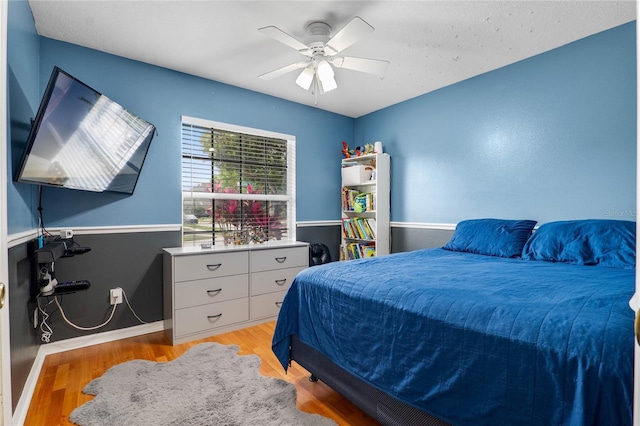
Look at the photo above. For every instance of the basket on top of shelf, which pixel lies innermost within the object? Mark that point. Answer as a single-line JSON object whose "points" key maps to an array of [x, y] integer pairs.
{"points": [[356, 174]]}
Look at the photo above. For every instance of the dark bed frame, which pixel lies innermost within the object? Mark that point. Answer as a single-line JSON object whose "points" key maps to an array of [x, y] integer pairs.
{"points": [[384, 408]]}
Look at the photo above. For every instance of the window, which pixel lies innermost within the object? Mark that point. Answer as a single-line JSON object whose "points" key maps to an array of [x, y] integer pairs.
{"points": [[238, 184]]}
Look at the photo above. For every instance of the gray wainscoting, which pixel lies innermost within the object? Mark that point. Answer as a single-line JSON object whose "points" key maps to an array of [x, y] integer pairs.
{"points": [[408, 239], [24, 339], [403, 238], [328, 235], [132, 261]]}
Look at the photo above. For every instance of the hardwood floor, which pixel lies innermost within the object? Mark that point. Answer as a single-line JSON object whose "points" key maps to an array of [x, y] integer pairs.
{"points": [[64, 375]]}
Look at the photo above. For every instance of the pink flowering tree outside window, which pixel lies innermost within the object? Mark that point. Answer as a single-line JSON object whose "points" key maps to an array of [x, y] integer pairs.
{"points": [[244, 221]]}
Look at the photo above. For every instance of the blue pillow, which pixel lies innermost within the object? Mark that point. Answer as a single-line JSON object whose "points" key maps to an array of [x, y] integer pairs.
{"points": [[585, 242], [491, 237]]}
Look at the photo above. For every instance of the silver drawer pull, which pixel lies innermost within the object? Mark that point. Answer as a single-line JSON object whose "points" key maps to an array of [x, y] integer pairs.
{"points": [[214, 267], [214, 292], [278, 304], [281, 282], [213, 317], [281, 259]]}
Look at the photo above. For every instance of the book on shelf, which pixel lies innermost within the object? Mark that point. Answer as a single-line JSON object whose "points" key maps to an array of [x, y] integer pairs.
{"points": [[357, 201], [361, 228], [371, 224], [374, 197], [357, 250]]}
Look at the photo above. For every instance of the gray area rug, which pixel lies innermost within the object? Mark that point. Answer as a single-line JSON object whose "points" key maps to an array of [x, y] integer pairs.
{"points": [[210, 384]]}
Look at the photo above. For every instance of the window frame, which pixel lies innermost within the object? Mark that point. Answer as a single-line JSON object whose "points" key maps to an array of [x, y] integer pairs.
{"points": [[289, 197]]}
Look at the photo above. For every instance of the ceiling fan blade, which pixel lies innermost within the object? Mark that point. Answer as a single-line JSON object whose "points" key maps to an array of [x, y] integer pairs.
{"points": [[284, 38], [371, 66], [356, 29], [282, 71]]}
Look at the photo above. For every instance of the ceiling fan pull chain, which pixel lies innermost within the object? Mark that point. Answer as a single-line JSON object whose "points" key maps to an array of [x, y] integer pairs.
{"points": [[315, 91]]}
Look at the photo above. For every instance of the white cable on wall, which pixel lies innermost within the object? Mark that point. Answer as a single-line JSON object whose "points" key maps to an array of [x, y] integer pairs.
{"points": [[64, 317], [47, 332], [45, 329], [126, 299]]}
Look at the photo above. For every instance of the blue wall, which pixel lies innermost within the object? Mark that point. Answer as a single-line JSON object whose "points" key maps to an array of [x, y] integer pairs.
{"points": [[23, 90], [549, 138], [162, 96]]}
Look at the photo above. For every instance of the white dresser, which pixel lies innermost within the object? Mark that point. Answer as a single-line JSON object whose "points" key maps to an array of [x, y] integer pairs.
{"points": [[212, 291]]}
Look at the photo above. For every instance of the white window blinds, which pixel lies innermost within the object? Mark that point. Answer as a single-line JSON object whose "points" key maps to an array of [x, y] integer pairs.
{"points": [[238, 184]]}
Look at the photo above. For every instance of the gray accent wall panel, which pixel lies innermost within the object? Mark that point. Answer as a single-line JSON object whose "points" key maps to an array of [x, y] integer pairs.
{"points": [[402, 238], [23, 338], [131, 261], [324, 234], [408, 239]]}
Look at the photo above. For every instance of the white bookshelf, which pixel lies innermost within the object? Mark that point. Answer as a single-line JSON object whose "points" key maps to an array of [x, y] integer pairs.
{"points": [[371, 192]]}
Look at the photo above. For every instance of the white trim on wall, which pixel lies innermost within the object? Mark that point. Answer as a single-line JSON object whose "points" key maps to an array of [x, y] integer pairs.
{"points": [[21, 237], [423, 225], [26, 236], [318, 223], [130, 229], [414, 225]]}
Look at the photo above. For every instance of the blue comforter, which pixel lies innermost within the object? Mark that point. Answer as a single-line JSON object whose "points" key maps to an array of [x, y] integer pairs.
{"points": [[474, 339]]}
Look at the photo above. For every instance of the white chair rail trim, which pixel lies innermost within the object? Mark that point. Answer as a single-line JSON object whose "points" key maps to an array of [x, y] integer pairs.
{"points": [[26, 236], [413, 225]]}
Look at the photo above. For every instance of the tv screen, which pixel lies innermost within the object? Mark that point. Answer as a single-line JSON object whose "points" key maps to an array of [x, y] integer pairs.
{"points": [[81, 139]]}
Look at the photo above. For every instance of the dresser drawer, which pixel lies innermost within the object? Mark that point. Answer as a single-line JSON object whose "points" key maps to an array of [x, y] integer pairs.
{"points": [[210, 265], [276, 280], [266, 305], [266, 260], [205, 317], [202, 292]]}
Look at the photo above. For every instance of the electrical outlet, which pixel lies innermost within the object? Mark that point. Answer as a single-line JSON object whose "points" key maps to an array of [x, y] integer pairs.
{"points": [[115, 296]]}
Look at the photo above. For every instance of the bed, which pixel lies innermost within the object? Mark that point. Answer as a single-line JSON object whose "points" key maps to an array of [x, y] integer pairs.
{"points": [[500, 326]]}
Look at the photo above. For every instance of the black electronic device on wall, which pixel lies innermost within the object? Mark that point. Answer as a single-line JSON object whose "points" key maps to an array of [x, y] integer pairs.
{"points": [[45, 257], [81, 139]]}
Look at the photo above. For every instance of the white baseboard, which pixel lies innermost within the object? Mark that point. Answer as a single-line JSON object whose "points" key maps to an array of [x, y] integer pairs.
{"points": [[22, 407], [96, 339]]}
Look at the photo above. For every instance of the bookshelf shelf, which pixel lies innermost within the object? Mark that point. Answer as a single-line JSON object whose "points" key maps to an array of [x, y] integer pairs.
{"points": [[367, 183], [364, 213], [365, 206]]}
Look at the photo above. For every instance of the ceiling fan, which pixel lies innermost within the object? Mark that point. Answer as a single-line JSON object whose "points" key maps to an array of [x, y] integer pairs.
{"points": [[322, 52]]}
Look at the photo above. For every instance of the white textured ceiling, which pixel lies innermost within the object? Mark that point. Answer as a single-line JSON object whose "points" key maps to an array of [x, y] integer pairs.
{"points": [[430, 44]]}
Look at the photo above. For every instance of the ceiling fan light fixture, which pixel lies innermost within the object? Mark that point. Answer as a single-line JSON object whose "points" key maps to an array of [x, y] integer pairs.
{"points": [[326, 76], [305, 78], [328, 84], [325, 72]]}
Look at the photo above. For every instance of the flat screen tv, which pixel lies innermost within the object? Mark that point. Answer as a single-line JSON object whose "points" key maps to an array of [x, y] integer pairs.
{"points": [[81, 139]]}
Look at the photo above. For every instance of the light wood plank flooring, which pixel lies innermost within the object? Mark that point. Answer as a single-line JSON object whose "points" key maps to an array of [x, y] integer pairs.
{"points": [[59, 388]]}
